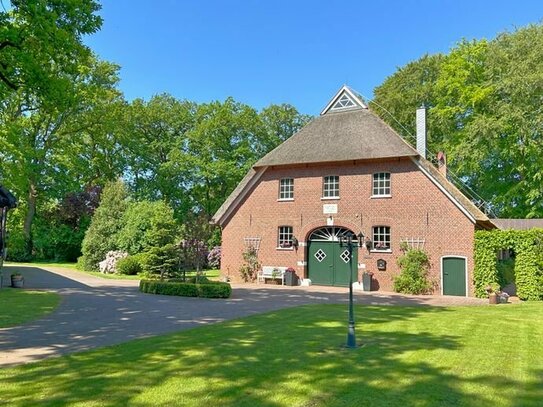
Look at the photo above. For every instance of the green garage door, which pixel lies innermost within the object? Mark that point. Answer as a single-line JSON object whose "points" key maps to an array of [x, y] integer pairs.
{"points": [[454, 276], [328, 263]]}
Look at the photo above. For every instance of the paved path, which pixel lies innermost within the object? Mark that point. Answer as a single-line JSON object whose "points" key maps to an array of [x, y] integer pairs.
{"points": [[97, 312]]}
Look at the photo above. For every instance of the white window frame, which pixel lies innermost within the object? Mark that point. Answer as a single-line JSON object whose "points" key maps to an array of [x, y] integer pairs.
{"points": [[286, 189], [285, 233], [328, 185], [376, 231], [381, 185]]}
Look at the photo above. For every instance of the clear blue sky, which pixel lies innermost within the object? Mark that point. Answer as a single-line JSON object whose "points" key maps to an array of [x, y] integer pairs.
{"points": [[297, 52]]}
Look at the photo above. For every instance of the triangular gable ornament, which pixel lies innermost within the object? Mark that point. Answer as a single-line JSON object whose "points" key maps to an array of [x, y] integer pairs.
{"points": [[345, 99]]}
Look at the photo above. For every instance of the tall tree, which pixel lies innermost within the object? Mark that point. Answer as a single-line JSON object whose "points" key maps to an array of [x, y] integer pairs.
{"points": [[42, 145], [41, 42], [484, 100]]}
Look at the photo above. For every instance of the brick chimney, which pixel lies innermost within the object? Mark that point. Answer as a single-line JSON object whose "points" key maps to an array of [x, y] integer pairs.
{"points": [[442, 163], [421, 131]]}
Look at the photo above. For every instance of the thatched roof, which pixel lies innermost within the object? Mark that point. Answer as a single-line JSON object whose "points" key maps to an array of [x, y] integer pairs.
{"points": [[469, 207], [346, 133], [518, 224], [356, 134]]}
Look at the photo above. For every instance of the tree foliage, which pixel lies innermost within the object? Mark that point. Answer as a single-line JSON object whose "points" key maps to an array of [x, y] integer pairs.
{"points": [[107, 222], [484, 99], [145, 225]]}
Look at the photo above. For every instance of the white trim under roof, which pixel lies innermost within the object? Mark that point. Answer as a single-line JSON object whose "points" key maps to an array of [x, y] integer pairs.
{"points": [[442, 189], [345, 90]]}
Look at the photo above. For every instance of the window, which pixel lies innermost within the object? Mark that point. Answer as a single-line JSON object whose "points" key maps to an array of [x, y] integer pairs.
{"points": [[286, 188], [284, 238], [381, 238], [381, 184], [343, 102], [330, 186]]}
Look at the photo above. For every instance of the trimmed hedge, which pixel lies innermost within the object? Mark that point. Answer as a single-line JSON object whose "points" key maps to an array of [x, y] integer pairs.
{"points": [[213, 289], [528, 269]]}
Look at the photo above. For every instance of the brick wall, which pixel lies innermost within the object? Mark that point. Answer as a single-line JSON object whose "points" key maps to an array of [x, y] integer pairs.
{"points": [[417, 209]]}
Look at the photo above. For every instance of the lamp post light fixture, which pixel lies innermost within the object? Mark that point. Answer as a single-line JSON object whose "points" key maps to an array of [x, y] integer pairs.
{"points": [[349, 243]]}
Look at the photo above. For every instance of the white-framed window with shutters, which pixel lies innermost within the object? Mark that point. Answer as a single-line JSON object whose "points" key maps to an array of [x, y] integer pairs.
{"points": [[381, 184], [330, 187], [286, 189], [284, 237], [381, 238]]}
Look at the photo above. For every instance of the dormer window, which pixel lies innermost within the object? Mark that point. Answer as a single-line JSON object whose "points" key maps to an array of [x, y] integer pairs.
{"points": [[381, 184]]}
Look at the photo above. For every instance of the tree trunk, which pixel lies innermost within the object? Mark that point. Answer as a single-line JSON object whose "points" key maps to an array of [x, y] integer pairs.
{"points": [[29, 218]]}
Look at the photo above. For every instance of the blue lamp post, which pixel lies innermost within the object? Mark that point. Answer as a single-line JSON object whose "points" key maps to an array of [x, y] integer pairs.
{"points": [[349, 243]]}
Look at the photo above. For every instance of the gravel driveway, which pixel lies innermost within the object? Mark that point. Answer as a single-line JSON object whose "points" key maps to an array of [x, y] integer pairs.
{"points": [[97, 312]]}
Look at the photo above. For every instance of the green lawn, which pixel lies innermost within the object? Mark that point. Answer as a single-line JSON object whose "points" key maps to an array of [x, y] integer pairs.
{"points": [[18, 306], [464, 356], [214, 274]]}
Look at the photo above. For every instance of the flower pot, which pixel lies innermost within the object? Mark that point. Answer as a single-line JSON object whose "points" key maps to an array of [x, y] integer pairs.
{"points": [[492, 298], [17, 281]]}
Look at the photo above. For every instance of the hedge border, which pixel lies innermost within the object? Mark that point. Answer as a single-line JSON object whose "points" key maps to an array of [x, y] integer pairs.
{"points": [[213, 289], [528, 247]]}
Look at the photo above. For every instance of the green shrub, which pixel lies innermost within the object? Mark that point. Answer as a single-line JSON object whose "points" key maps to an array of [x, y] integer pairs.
{"points": [[506, 271], [528, 265], [129, 266], [413, 278], [145, 225], [101, 236], [207, 290], [160, 261]]}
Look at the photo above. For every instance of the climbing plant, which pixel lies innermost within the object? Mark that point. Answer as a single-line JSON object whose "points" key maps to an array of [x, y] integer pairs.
{"points": [[528, 269]]}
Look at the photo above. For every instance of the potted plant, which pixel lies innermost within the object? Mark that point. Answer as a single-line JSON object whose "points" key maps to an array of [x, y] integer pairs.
{"points": [[17, 280], [275, 275]]}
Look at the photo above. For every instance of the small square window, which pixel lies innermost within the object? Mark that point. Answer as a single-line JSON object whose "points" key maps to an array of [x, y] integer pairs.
{"points": [[284, 237], [381, 184], [286, 188], [330, 186], [381, 238]]}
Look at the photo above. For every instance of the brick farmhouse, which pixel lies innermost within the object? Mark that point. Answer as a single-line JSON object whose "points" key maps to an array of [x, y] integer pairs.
{"points": [[347, 173]]}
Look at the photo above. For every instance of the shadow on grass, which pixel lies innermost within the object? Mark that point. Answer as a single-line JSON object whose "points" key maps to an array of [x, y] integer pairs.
{"points": [[286, 358]]}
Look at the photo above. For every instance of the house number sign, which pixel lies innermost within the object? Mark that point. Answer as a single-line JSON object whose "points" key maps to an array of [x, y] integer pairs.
{"points": [[329, 209]]}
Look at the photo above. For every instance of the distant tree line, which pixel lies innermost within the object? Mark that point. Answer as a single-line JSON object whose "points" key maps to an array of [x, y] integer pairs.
{"points": [[66, 130]]}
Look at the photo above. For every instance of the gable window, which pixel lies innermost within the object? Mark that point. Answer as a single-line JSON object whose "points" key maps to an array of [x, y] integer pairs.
{"points": [[286, 189], [284, 237], [381, 184], [381, 238], [343, 102], [330, 186]]}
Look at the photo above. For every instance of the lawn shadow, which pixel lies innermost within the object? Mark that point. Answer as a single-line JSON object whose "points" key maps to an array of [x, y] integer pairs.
{"points": [[292, 357]]}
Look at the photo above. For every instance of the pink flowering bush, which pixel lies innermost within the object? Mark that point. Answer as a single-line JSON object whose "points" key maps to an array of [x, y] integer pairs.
{"points": [[214, 257], [109, 265]]}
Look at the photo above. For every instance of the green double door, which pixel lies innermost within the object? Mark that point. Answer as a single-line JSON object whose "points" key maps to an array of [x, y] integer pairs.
{"points": [[454, 276], [329, 263]]}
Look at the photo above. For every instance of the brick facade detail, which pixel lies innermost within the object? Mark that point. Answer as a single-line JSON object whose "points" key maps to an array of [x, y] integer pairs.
{"points": [[416, 209]]}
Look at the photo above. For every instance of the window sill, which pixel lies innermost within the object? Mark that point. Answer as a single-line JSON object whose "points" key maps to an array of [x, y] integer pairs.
{"points": [[285, 200], [381, 251], [285, 248], [380, 196], [330, 198]]}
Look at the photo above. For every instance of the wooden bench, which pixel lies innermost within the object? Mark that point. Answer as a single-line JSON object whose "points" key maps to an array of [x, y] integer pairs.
{"points": [[272, 272]]}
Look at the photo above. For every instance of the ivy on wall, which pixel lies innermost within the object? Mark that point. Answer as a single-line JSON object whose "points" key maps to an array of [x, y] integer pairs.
{"points": [[528, 247]]}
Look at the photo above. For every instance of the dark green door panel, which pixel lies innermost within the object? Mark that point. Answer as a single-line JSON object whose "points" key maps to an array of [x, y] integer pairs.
{"points": [[320, 262], [454, 276], [328, 263]]}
